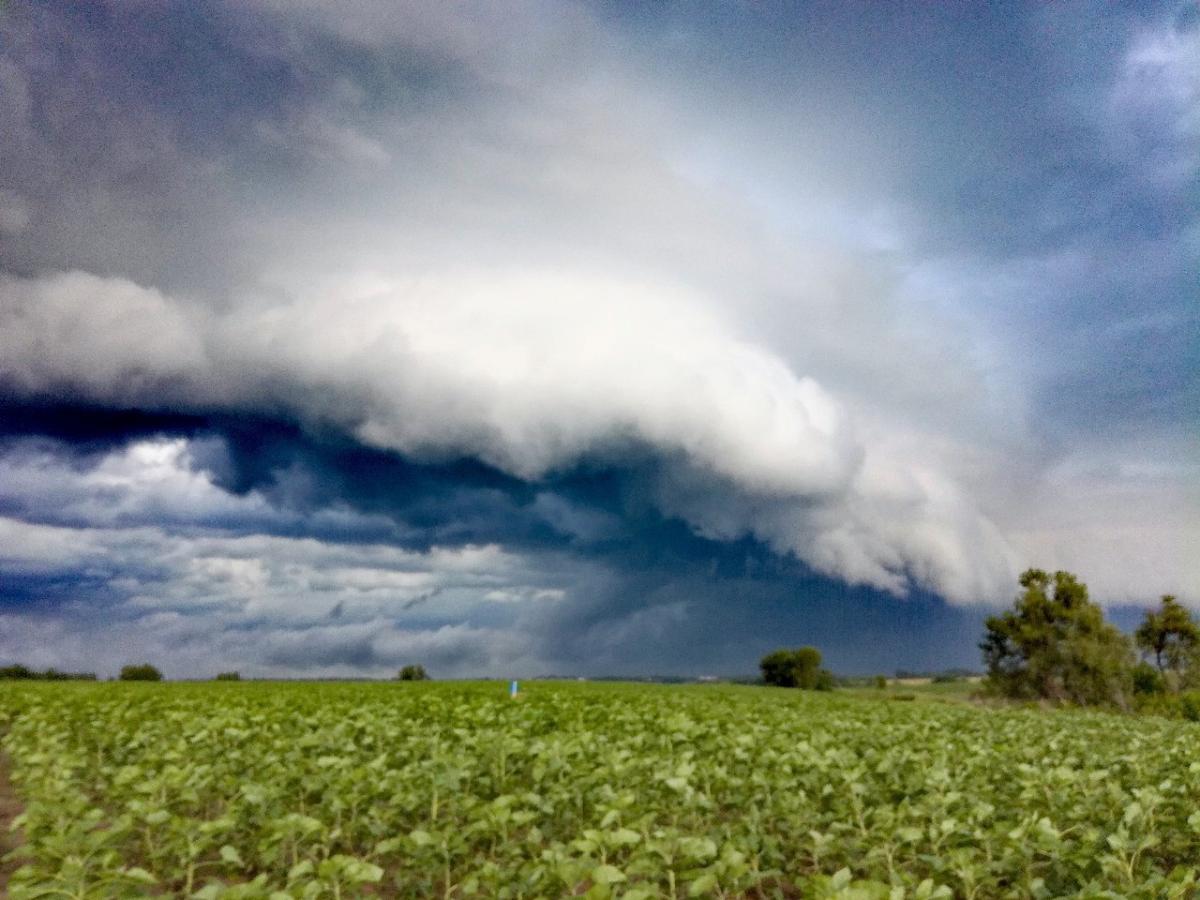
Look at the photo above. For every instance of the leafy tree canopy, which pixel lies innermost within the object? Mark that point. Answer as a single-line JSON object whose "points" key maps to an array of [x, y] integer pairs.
{"points": [[1171, 636], [413, 673], [143, 672], [1054, 643], [796, 668]]}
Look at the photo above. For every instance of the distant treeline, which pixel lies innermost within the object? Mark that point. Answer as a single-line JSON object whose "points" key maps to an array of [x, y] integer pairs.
{"points": [[940, 675], [19, 672]]}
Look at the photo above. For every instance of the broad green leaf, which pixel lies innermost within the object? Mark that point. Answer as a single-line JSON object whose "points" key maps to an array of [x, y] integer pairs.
{"points": [[607, 874]]}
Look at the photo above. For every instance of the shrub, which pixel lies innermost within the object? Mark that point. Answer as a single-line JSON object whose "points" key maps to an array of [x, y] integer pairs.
{"points": [[1185, 705], [413, 673], [1189, 705], [824, 681], [880, 682], [228, 676], [1148, 680]]}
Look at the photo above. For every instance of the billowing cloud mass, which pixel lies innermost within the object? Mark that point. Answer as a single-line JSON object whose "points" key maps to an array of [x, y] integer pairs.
{"points": [[571, 338]]}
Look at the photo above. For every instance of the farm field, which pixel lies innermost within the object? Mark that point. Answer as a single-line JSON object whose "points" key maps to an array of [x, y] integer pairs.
{"points": [[241, 790]]}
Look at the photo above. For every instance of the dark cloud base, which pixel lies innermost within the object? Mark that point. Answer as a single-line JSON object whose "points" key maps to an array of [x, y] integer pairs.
{"points": [[671, 602]]}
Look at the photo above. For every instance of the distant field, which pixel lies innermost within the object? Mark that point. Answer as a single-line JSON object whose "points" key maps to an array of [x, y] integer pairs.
{"points": [[242, 790], [919, 689], [961, 689]]}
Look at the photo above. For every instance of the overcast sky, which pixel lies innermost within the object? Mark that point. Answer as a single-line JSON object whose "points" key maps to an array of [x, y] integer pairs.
{"points": [[521, 338]]}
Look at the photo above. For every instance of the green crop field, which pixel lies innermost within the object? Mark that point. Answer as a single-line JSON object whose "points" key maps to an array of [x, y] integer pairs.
{"points": [[635, 791]]}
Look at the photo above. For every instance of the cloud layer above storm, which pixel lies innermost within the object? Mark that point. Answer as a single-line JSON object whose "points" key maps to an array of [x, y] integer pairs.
{"points": [[908, 324]]}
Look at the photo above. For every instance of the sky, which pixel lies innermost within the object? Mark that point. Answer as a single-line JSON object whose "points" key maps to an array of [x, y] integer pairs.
{"points": [[556, 338]]}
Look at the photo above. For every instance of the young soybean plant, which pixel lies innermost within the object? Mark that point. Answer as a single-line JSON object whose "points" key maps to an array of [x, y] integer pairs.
{"points": [[602, 791]]}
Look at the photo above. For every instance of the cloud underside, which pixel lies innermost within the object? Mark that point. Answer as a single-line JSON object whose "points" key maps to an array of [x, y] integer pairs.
{"points": [[174, 569]]}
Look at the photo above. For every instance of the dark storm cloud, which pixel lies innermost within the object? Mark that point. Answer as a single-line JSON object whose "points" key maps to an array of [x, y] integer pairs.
{"points": [[557, 337], [654, 591]]}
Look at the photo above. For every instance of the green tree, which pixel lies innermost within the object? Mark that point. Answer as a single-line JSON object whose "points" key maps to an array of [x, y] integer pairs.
{"points": [[143, 672], [1172, 637], [229, 676], [413, 673], [1055, 644], [796, 668]]}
